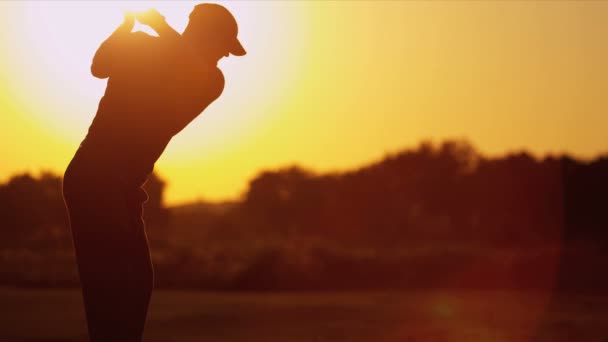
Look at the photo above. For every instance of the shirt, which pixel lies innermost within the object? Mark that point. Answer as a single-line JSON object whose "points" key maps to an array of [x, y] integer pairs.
{"points": [[156, 87]]}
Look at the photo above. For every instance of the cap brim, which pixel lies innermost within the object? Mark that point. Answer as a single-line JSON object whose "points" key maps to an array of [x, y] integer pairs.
{"points": [[237, 49]]}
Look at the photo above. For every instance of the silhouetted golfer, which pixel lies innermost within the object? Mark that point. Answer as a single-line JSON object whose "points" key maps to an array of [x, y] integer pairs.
{"points": [[156, 86]]}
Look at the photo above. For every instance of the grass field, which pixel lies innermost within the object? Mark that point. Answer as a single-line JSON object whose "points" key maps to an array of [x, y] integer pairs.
{"points": [[57, 315]]}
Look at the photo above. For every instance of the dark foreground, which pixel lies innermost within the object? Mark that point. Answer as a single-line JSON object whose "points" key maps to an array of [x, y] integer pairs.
{"points": [[57, 315]]}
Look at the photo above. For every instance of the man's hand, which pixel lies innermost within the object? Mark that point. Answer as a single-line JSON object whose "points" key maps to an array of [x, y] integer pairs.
{"points": [[151, 17], [157, 22], [128, 23]]}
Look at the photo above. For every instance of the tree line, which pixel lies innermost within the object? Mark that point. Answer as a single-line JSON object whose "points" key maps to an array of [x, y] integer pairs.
{"points": [[414, 218]]}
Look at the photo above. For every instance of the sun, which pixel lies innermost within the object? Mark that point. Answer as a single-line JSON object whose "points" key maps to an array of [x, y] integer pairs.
{"points": [[50, 67]]}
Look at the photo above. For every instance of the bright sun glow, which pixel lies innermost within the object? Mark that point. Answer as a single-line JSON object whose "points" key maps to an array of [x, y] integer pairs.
{"points": [[328, 85], [60, 39]]}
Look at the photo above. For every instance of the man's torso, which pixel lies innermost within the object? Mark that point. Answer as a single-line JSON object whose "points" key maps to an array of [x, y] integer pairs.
{"points": [[158, 90]]}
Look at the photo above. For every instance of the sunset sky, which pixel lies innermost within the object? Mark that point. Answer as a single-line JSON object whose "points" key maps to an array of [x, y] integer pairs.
{"points": [[326, 85]]}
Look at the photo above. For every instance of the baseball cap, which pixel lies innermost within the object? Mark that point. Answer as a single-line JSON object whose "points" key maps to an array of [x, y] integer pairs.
{"points": [[218, 19]]}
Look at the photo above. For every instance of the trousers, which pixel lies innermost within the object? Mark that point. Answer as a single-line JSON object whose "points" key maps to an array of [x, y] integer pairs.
{"points": [[111, 248]]}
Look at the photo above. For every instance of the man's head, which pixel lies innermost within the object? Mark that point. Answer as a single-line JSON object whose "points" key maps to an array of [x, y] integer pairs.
{"points": [[213, 31]]}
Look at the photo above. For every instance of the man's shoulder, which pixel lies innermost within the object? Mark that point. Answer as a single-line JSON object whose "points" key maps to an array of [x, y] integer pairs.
{"points": [[213, 81], [218, 80], [201, 80]]}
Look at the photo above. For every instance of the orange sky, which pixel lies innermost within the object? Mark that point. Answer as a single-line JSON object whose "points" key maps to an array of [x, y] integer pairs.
{"points": [[328, 85]]}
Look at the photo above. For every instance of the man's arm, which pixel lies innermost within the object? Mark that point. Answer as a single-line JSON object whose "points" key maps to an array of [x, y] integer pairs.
{"points": [[158, 23], [106, 58], [113, 51]]}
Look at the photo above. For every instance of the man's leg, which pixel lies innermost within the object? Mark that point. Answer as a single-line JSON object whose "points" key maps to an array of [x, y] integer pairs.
{"points": [[113, 262], [141, 259]]}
